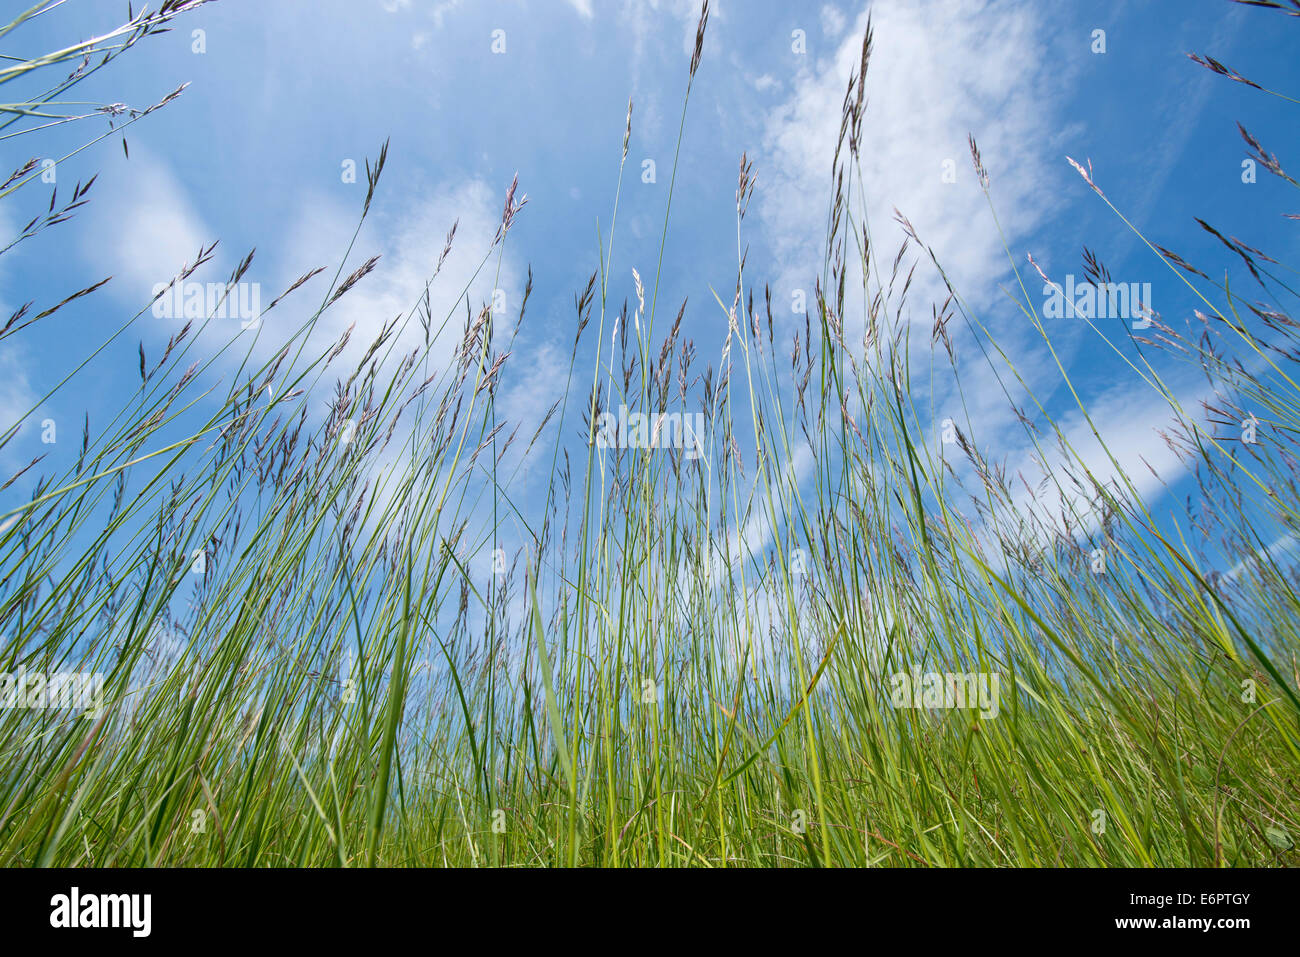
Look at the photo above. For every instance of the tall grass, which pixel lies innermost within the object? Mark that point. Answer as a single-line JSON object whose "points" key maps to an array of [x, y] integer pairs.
{"points": [[311, 658]]}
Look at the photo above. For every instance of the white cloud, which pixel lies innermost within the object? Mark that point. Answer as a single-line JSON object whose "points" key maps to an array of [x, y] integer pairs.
{"points": [[583, 7], [647, 19], [539, 378], [410, 240], [537, 374], [938, 72], [833, 21], [156, 229], [1281, 547], [441, 9], [16, 398], [1122, 449], [409, 243], [145, 229]]}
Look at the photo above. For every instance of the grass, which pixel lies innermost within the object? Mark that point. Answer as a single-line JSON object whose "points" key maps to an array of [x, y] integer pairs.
{"points": [[341, 681]]}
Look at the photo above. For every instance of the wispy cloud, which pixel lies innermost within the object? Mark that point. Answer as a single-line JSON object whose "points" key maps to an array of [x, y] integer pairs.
{"points": [[16, 397], [938, 73], [155, 227]]}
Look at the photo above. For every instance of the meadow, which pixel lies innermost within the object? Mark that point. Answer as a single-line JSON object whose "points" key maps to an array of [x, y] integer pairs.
{"points": [[315, 652]]}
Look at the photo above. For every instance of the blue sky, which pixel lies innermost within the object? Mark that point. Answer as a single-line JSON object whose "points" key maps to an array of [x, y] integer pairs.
{"points": [[287, 91]]}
